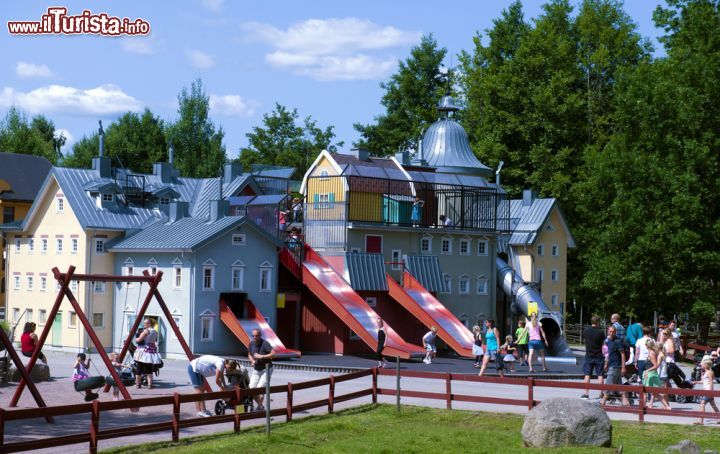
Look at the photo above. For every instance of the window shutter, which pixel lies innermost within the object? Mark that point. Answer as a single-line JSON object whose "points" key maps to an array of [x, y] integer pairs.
{"points": [[316, 200]]}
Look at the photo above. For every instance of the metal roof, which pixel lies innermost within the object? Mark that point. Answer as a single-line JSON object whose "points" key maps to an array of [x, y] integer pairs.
{"points": [[527, 220], [366, 271], [445, 146], [426, 269], [25, 174], [187, 234], [209, 190]]}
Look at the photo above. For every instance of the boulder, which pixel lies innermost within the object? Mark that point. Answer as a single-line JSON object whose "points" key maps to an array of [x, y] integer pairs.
{"points": [[684, 447], [40, 372], [564, 421]]}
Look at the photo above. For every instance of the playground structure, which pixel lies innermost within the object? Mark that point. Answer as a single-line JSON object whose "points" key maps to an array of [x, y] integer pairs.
{"points": [[64, 280]]}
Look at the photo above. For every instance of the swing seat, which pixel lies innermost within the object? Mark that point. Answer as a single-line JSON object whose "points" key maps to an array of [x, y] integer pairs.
{"points": [[126, 378], [89, 383]]}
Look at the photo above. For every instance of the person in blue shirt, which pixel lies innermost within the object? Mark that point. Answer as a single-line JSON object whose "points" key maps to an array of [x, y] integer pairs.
{"points": [[614, 363]]}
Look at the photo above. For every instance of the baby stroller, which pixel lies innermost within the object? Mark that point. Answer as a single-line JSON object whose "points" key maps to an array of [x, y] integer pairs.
{"points": [[678, 377], [237, 378]]}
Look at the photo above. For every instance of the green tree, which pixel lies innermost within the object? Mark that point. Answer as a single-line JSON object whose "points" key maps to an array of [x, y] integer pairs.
{"points": [[410, 101], [199, 151], [36, 137], [282, 141]]}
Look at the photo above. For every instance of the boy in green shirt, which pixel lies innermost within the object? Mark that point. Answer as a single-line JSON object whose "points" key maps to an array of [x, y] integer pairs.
{"points": [[521, 340]]}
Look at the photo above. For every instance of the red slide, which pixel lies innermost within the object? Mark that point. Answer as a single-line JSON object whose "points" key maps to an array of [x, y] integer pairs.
{"points": [[431, 312], [242, 329], [350, 307]]}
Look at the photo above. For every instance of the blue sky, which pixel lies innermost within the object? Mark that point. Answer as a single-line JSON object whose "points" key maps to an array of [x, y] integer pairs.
{"points": [[325, 58]]}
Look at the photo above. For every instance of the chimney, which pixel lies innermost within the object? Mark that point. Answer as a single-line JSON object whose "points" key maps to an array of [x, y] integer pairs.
{"points": [[232, 171], [361, 153], [178, 210], [102, 165], [218, 209], [164, 170], [171, 154], [101, 134], [529, 197], [403, 157]]}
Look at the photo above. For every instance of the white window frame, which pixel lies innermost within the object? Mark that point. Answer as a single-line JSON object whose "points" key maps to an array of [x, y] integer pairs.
{"points": [[73, 245], [16, 282], [371, 301], [240, 268], [43, 245], [99, 244], [74, 286], [70, 319], [239, 239], [554, 299], [107, 197], [265, 269], [482, 279], [177, 319], [539, 275], [208, 272], [463, 280], [129, 270], [482, 244], [99, 287], [540, 248], [129, 317], [59, 245], [177, 277], [324, 175], [443, 242], [30, 281], [102, 319], [555, 275], [15, 314], [396, 258], [31, 245], [555, 250], [29, 313], [164, 201], [209, 318], [464, 243], [42, 317], [427, 250], [60, 205], [447, 283], [43, 283], [18, 245]]}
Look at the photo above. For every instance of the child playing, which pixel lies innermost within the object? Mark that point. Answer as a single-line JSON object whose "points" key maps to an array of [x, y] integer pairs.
{"points": [[429, 344], [509, 348], [119, 367], [707, 381], [81, 373]]}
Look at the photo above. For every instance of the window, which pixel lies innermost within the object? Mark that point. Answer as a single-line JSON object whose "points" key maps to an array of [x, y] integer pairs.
{"points": [[16, 315], [554, 275], [265, 279], [176, 319], [60, 205], [374, 244], [43, 283], [355, 249], [99, 287], [238, 277], [206, 329], [425, 245], [464, 285], [98, 320], [129, 320], [30, 282], [58, 245], [29, 315], [324, 175], [447, 283], [8, 215], [554, 300], [31, 245], [16, 282], [18, 242], [464, 247], [446, 246], [72, 319], [42, 316], [74, 286], [555, 250], [129, 271], [482, 247], [371, 301], [208, 278], [540, 250], [107, 197], [43, 245], [177, 277], [238, 239], [325, 201], [74, 245], [99, 245], [539, 275], [396, 255], [164, 201], [482, 285]]}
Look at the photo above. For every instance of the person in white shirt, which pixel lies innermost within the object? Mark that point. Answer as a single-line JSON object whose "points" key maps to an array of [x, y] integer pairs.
{"points": [[445, 221], [641, 352], [204, 367], [429, 344]]}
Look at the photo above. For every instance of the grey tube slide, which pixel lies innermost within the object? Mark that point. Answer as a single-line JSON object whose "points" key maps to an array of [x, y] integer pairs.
{"points": [[524, 293]]}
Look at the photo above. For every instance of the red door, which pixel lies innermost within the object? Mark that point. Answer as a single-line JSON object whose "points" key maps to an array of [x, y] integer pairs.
{"points": [[373, 244]]}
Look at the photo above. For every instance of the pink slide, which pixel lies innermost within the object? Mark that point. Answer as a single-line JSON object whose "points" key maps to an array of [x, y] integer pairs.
{"points": [[431, 312], [350, 307]]}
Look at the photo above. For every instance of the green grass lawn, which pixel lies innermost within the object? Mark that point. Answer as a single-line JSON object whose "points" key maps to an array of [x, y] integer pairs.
{"points": [[380, 428]]}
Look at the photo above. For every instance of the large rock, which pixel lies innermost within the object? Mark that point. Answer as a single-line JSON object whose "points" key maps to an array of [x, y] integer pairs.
{"points": [[564, 421], [685, 447], [40, 372]]}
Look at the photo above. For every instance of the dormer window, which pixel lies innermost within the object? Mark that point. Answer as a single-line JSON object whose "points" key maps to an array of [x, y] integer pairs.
{"points": [[164, 201], [108, 197]]}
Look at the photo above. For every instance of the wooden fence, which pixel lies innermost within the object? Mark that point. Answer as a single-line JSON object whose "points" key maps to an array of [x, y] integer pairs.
{"points": [[175, 423]]}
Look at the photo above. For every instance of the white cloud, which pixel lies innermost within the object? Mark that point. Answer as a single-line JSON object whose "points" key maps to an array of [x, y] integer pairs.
{"points": [[331, 49], [213, 5], [138, 45], [25, 70], [232, 105], [102, 100], [200, 59]]}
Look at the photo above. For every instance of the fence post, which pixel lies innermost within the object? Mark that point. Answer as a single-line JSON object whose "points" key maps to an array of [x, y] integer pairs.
{"points": [[448, 391], [331, 394], [94, 426], [374, 384], [641, 404], [397, 386], [2, 427], [238, 404], [289, 405], [531, 397], [176, 418], [268, 372]]}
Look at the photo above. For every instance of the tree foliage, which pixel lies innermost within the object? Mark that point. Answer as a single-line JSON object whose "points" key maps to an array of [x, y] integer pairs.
{"points": [[36, 137], [282, 141]]}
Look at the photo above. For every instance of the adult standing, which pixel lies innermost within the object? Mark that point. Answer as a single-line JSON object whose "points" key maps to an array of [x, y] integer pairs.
{"points": [[146, 355], [381, 336], [677, 342], [521, 339], [492, 336], [651, 377], [641, 352], [594, 358], [669, 344], [619, 328], [416, 213], [29, 342], [260, 355], [204, 367], [537, 343], [428, 341], [614, 363], [634, 332]]}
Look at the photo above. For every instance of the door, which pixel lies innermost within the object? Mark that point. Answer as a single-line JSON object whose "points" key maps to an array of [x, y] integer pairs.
{"points": [[373, 244], [57, 330]]}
